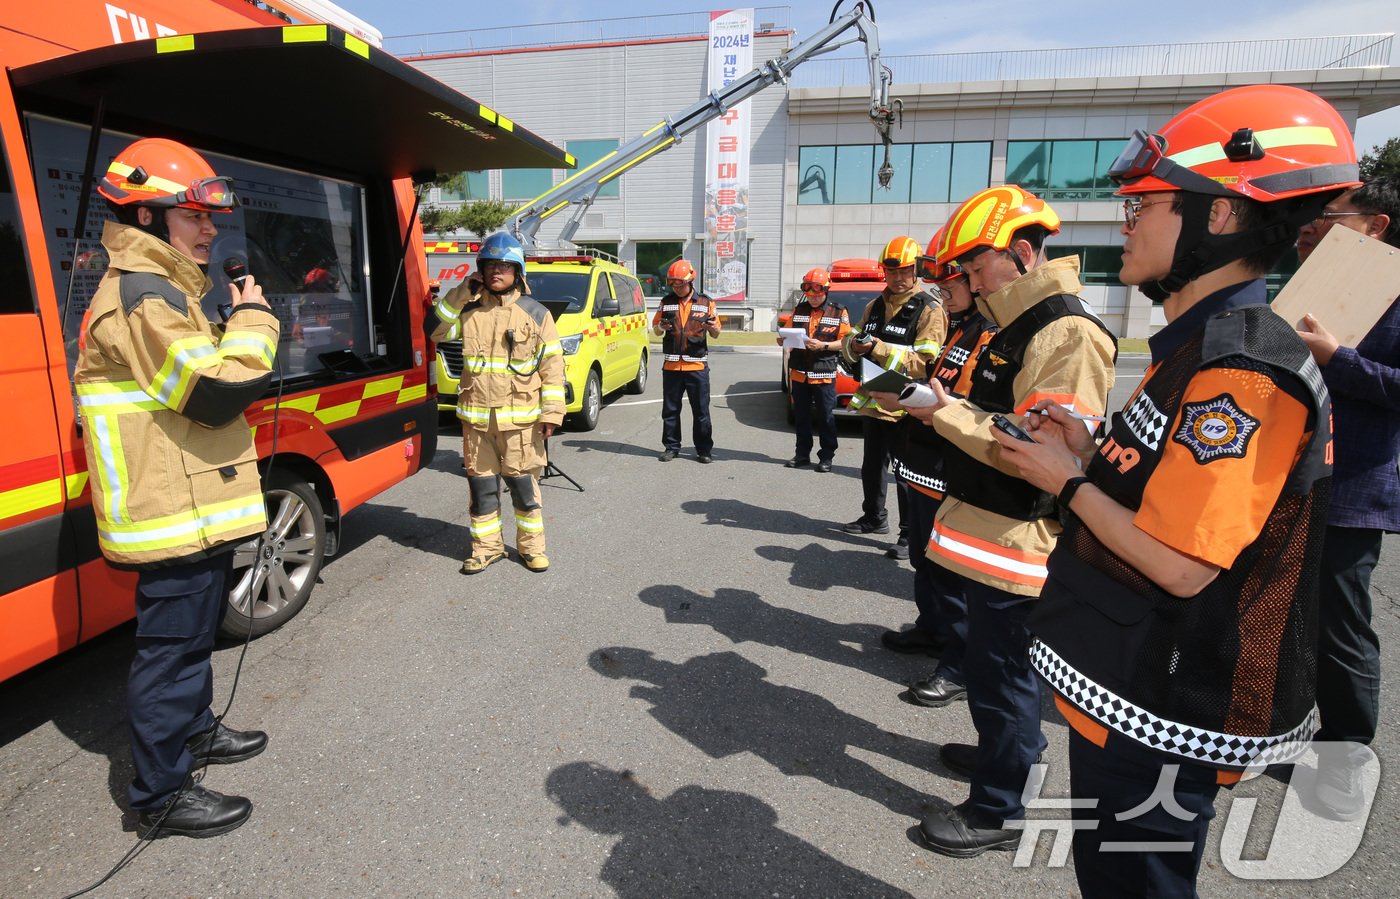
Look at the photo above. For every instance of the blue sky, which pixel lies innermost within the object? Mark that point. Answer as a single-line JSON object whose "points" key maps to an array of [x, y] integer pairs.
{"points": [[911, 26]]}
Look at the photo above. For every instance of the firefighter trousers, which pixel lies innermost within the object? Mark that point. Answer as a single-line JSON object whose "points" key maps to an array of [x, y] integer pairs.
{"points": [[517, 457]]}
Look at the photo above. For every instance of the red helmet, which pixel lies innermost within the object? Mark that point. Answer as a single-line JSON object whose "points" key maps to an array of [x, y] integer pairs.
{"points": [[816, 280], [900, 252], [990, 218], [680, 270], [933, 271], [1264, 141], [318, 280], [159, 172]]}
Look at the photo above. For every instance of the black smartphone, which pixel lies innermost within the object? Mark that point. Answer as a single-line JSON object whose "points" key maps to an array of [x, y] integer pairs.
{"points": [[1002, 423]]}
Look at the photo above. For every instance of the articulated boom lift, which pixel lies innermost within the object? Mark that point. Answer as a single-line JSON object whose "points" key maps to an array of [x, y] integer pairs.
{"points": [[580, 190]]}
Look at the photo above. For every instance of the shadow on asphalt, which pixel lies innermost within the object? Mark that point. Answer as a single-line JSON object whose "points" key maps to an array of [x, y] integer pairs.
{"points": [[736, 513], [716, 842], [743, 617], [765, 407], [723, 705]]}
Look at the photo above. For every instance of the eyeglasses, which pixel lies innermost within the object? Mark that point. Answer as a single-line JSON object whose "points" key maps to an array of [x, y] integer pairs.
{"points": [[1132, 209], [1326, 216]]}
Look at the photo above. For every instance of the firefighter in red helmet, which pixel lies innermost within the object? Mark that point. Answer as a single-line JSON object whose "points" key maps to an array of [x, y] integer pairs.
{"points": [[1177, 627], [812, 369], [156, 382], [685, 319]]}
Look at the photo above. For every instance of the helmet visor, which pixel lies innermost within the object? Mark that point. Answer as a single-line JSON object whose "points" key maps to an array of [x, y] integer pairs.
{"points": [[207, 193], [1139, 158], [813, 287], [933, 271]]}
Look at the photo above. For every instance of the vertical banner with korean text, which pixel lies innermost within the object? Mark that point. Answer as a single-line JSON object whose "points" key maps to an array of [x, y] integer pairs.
{"points": [[727, 162]]}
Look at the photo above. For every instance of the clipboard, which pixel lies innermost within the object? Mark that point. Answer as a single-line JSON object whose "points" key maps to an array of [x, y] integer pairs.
{"points": [[874, 379], [1347, 283]]}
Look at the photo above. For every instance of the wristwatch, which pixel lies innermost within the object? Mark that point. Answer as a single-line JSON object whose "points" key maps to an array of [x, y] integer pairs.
{"points": [[1067, 492]]}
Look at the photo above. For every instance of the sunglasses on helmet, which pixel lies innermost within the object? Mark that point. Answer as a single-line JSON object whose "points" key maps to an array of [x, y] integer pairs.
{"points": [[933, 271], [212, 193], [1146, 155]]}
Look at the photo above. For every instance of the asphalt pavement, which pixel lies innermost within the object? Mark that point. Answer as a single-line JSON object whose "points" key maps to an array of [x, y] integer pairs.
{"points": [[692, 701]]}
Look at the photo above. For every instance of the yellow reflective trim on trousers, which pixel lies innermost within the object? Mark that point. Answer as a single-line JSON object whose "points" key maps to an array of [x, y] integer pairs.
{"points": [[303, 34], [484, 527], [1269, 139], [380, 388], [409, 394], [533, 524], [31, 498]]}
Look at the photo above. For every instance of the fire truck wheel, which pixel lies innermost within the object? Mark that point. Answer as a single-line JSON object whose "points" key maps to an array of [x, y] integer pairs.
{"points": [[639, 383], [586, 419], [273, 574]]}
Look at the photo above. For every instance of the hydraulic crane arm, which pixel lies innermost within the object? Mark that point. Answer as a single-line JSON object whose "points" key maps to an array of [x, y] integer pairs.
{"points": [[580, 189]]}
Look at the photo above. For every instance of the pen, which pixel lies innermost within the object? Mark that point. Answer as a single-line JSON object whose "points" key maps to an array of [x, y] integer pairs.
{"points": [[1072, 414]]}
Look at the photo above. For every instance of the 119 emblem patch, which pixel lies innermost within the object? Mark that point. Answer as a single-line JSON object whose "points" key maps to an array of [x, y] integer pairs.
{"points": [[1215, 429]]}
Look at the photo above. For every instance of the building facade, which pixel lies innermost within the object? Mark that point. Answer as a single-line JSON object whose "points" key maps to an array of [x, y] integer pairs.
{"points": [[969, 121]]}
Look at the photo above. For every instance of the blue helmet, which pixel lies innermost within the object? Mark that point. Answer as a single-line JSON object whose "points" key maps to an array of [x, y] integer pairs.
{"points": [[503, 247]]}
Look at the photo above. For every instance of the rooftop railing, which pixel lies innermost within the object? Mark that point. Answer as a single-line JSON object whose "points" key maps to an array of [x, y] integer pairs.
{"points": [[1344, 51], [565, 34]]}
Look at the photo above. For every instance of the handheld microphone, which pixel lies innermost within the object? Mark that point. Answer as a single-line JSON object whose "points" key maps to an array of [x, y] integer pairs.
{"points": [[236, 270]]}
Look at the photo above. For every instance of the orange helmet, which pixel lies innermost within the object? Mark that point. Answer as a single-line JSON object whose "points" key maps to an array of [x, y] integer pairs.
{"points": [[680, 270], [816, 279], [933, 271], [159, 172], [1265, 141], [990, 218], [900, 252]]}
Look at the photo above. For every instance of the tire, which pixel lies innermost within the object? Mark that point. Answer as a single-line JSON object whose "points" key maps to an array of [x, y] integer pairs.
{"points": [[292, 549], [586, 419], [638, 384]]}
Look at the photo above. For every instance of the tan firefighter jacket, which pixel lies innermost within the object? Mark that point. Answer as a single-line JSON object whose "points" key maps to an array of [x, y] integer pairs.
{"points": [[512, 360], [170, 456], [911, 355], [1069, 361]]}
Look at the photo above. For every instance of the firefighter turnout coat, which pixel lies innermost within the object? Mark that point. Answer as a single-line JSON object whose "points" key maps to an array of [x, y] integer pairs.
{"points": [[1069, 360], [173, 468], [908, 329]]}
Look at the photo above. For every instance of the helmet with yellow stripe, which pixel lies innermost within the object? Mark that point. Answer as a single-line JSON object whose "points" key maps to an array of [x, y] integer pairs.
{"points": [[989, 219], [931, 270], [900, 252], [162, 173], [1266, 142]]}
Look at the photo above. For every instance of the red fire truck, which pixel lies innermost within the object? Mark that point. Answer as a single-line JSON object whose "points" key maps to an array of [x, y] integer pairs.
{"points": [[325, 136]]}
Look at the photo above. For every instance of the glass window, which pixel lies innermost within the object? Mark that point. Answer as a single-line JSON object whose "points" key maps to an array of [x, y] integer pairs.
{"points": [[303, 236], [1072, 169], [630, 300], [560, 291], [467, 186], [1108, 151], [900, 156], [816, 166], [854, 174], [1028, 164], [16, 292], [653, 258], [972, 170], [525, 184], [932, 165], [588, 152], [603, 291], [1097, 264]]}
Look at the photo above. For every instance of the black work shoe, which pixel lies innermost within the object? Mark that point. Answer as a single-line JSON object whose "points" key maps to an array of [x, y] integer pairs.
{"points": [[822, 467], [861, 526], [913, 640], [195, 812], [1338, 789], [797, 462], [666, 456], [963, 833], [704, 458], [221, 745], [937, 692], [900, 550]]}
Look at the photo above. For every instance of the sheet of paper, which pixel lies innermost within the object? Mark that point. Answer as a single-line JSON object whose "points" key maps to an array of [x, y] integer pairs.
{"points": [[1347, 283], [793, 338]]}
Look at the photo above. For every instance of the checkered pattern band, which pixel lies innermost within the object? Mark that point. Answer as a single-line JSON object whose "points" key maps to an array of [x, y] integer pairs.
{"points": [[904, 472], [1146, 421], [1192, 743]]}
